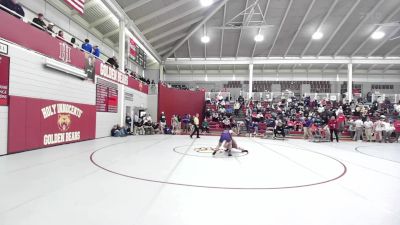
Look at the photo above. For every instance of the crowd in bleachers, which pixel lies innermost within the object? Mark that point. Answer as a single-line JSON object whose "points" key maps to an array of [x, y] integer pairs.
{"points": [[315, 119]]}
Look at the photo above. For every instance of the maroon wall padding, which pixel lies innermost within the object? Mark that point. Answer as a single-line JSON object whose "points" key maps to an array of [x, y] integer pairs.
{"points": [[4, 78], [30, 37], [172, 101], [28, 128]]}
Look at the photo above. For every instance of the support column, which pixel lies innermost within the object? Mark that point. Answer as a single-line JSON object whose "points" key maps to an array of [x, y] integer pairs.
{"points": [[121, 99], [121, 45], [162, 72], [250, 80], [350, 82], [121, 60]]}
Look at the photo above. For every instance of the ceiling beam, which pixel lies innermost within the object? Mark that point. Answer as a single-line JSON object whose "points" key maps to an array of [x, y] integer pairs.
{"points": [[280, 28], [90, 4], [198, 26], [240, 31], [135, 5], [259, 30], [381, 43], [287, 61], [190, 54], [165, 50], [174, 30], [116, 9], [349, 13], [392, 51], [100, 21], [169, 41], [111, 33], [300, 27], [371, 12], [161, 11], [320, 25], [387, 68], [387, 19], [171, 20]]}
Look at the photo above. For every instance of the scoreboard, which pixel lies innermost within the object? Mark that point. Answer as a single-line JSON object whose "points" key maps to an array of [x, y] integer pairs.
{"points": [[136, 54]]}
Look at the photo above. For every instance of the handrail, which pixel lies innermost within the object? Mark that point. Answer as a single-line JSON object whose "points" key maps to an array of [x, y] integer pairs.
{"points": [[13, 41], [40, 27]]}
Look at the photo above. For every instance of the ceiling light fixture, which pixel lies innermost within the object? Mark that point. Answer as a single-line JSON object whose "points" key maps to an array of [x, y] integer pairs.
{"points": [[205, 39], [259, 38], [378, 35], [317, 35], [206, 3]]}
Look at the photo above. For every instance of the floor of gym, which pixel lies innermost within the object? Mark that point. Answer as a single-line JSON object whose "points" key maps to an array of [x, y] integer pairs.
{"points": [[166, 179]]}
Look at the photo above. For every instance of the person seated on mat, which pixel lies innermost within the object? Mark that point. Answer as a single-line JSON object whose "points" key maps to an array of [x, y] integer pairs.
{"points": [[205, 126], [279, 128]]}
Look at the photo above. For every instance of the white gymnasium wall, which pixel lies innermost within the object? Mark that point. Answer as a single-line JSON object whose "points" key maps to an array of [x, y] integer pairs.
{"points": [[106, 120], [29, 78], [3, 129], [152, 108]]}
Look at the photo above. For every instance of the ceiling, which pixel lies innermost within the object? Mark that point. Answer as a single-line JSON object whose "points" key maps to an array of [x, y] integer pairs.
{"points": [[346, 25], [174, 28]]}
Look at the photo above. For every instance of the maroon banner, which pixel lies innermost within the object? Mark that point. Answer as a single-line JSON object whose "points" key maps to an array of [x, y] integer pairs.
{"points": [[4, 78], [30, 37], [37, 123], [172, 101], [105, 71], [138, 85]]}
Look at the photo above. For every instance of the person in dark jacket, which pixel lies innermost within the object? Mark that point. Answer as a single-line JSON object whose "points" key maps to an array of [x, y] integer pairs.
{"points": [[13, 6], [113, 62], [39, 21]]}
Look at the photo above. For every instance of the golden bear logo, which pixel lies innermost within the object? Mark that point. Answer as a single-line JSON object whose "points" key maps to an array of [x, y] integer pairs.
{"points": [[64, 122]]}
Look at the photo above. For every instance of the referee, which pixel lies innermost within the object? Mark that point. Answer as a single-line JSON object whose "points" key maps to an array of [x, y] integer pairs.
{"points": [[196, 124]]}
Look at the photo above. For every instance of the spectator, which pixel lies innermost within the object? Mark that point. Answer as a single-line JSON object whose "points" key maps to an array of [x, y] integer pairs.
{"points": [[87, 46], [196, 124], [174, 124], [39, 21], [50, 28], [113, 62], [14, 6], [60, 34], [387, 132], [96, 51], [396, 125], [163, 121], [333, 128], [205, 127], [236, 107], [359, 129], [379, 126], [368, 125]]}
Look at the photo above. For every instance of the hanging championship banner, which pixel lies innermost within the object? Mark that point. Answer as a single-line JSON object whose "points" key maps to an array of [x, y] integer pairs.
{"points": [[132, 50], [4, 77]]}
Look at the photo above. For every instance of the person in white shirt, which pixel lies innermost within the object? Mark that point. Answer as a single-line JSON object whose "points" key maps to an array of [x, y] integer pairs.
{"points": [[359, 129], [236, 107], [379, 126], [387, 132], [368, 125]]}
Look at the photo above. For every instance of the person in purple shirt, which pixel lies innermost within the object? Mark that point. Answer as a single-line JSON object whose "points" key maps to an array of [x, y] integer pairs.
{"points": [[307, 123], [226, 140]]}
